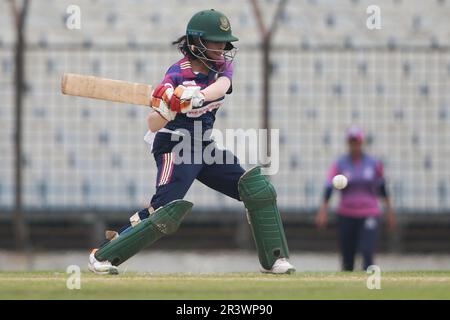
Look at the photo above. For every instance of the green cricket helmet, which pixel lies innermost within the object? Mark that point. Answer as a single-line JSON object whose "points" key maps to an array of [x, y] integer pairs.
{"points": [[214, 26], [210, 25]]}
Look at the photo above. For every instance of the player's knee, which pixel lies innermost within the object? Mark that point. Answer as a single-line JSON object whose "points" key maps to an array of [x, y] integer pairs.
{"points": [[256, 188]]}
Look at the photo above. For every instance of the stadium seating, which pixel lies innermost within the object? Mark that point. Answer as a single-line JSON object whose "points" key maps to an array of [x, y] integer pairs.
{"points": [[81, 153]]}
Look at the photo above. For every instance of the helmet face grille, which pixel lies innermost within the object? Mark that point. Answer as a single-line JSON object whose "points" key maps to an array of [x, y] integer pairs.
{"points": [[201, 52]]}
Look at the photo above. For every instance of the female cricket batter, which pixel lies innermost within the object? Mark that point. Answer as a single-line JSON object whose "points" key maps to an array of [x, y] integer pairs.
{"points": [[359, 211], [186, 103]]}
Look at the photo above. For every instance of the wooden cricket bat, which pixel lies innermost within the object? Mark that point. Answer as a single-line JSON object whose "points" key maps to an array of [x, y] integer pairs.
{"points": [[106, 89]]}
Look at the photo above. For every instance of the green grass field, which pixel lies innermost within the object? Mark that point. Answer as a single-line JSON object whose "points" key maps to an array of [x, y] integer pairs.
{"points": [[394, 285]]}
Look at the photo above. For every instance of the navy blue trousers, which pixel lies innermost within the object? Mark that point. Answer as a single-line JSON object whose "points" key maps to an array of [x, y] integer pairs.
{"points": [[174, 177], [357, 234]]}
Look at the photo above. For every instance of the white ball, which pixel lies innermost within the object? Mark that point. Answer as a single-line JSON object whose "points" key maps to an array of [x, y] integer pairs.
{"points": [[340, 181]]}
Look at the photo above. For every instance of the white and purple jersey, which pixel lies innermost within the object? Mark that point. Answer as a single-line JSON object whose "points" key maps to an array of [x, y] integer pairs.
{"points": [[181, 73], [365, 178]]}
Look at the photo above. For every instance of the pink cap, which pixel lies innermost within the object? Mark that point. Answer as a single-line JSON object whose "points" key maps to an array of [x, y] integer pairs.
{"points": [[355, 133]]}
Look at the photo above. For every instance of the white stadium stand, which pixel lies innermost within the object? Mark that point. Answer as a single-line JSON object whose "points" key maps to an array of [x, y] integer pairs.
{"points": [[330, 71]]}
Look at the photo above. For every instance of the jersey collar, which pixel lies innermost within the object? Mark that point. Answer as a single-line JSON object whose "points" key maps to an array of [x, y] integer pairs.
{"points": [[186, 69], [358, 160]]}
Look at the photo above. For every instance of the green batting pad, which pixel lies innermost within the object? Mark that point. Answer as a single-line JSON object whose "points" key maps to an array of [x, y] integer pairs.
{"points": [[260, 199], [163, 221]]}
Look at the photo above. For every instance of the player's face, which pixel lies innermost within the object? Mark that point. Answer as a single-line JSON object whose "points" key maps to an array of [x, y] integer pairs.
{"points": [[355, 146], [215, 49]]}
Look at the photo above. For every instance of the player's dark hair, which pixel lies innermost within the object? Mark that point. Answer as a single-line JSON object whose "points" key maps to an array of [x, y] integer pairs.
{"points": [[182, 44]]}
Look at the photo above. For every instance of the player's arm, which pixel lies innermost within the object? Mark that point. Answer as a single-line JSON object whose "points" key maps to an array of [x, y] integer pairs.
{"points": [[217, 90], [186, 98], [163, 104], [322, 214], [390, 212], [222, 86], [383, 192], [155, 121]]}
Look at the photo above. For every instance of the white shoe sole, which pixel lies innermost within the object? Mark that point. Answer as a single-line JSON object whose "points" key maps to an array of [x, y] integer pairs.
{"points": [[112, 270], [288, 271]]}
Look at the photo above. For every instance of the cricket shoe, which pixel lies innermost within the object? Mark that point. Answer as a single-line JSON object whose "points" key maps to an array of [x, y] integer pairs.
{"points": [[101, 267], [281, 266]]}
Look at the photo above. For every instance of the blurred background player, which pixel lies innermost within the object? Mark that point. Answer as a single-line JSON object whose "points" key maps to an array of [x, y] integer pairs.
{"points": [[359, 210], [190, 94]]}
